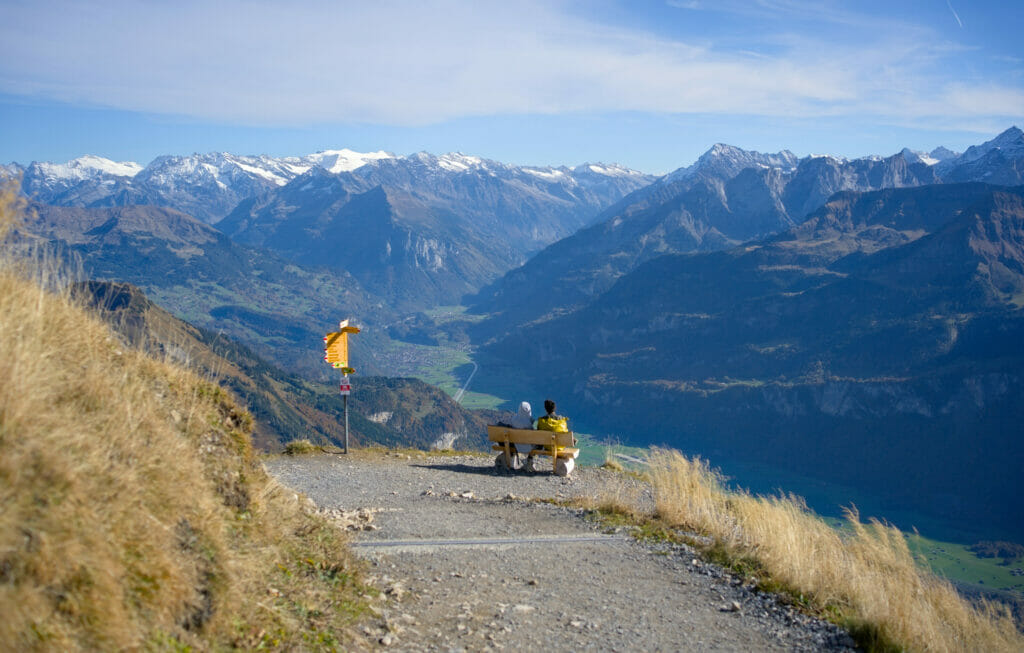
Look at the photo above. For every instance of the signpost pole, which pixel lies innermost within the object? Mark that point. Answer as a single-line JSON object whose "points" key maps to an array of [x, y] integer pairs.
{"points": [[336, 353], [346, 423], [346, 388]]}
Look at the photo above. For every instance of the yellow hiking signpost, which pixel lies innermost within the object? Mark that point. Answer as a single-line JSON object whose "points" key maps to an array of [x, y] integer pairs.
{"points": [[336, 353], [336, 347]]}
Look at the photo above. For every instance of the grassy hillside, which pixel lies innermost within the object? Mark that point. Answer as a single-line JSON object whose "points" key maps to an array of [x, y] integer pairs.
{"points": [[133, 513]]}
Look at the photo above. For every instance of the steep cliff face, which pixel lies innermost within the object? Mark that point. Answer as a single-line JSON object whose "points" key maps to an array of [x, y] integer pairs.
{"points": [[818, 178], [725, 199], [394, 244]]}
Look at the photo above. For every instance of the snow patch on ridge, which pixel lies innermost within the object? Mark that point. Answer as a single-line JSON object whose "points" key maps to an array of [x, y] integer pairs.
{"points": [[344, 160], [458, 162], [263, 173], [89, 166], [728, 160], [841, 159], [913, 156], [545, 173], [612, 170]]}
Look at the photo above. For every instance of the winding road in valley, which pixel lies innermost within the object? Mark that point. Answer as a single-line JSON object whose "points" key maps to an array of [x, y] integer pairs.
{"points": [[462, 390]]}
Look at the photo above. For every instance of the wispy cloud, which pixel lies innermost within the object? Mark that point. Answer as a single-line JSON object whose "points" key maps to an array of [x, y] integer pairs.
{"points": [[819, 11], [955, 15], [419, 63]]}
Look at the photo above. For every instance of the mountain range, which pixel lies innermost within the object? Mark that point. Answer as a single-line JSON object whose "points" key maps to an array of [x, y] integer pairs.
{"points": [[206, 186], [209, 186], [424, 228], [728, 196], [417, 231]]}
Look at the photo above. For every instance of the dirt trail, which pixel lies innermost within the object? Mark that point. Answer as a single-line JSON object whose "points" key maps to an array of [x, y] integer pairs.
{"points": [[472, 562]]}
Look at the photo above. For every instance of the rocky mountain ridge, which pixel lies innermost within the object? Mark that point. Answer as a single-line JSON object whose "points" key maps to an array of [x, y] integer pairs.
{"points": [[424, 230], [417, 230], [727, 197], [208, 186]]}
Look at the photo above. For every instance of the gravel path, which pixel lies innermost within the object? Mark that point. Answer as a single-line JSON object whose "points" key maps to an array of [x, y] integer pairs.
{"points": [[470, 560]]}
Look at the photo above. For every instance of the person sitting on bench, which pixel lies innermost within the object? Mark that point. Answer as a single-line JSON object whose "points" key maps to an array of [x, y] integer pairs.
{"points": [[521, 420], [524, 418], [552, 421]]}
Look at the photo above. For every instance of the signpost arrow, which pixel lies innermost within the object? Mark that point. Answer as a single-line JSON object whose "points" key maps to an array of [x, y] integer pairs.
{"points": [[336, 353]]}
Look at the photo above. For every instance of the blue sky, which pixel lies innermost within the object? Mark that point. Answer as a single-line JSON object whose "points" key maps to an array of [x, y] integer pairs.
{"points": [[649, 84]]}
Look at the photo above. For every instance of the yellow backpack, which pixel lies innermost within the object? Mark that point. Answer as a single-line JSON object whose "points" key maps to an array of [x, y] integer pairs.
{"points": [[556, 424]]}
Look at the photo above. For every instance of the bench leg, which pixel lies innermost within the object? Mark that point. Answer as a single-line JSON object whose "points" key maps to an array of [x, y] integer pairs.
{"points": [[564, 466], [531, 464]]}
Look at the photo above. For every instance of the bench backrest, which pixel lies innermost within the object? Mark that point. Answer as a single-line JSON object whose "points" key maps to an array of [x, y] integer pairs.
{"points": [[528, 436]]}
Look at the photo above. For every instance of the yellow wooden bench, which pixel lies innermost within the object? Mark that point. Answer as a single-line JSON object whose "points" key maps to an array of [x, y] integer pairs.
{"points": [[559, 446]]}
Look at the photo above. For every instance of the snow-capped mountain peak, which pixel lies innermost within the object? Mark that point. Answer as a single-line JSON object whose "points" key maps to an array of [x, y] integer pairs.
{"points": [[833, 157], [343, 160], [936, 156], [545, 173], [607, 170], [10, 170], [913, 156], [90, 165], [728, 160], [225, 168], [458, 162]]}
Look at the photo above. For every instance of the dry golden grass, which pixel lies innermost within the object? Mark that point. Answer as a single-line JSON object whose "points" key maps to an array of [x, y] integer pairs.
{"points": [[610, 462], [133, 512], [866, 579], [619, 499], [12, 206], [299, 447]]}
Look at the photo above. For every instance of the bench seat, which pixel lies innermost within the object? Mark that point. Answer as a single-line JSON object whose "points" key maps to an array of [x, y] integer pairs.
{"points": [[563, 452], [560, 446]]}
